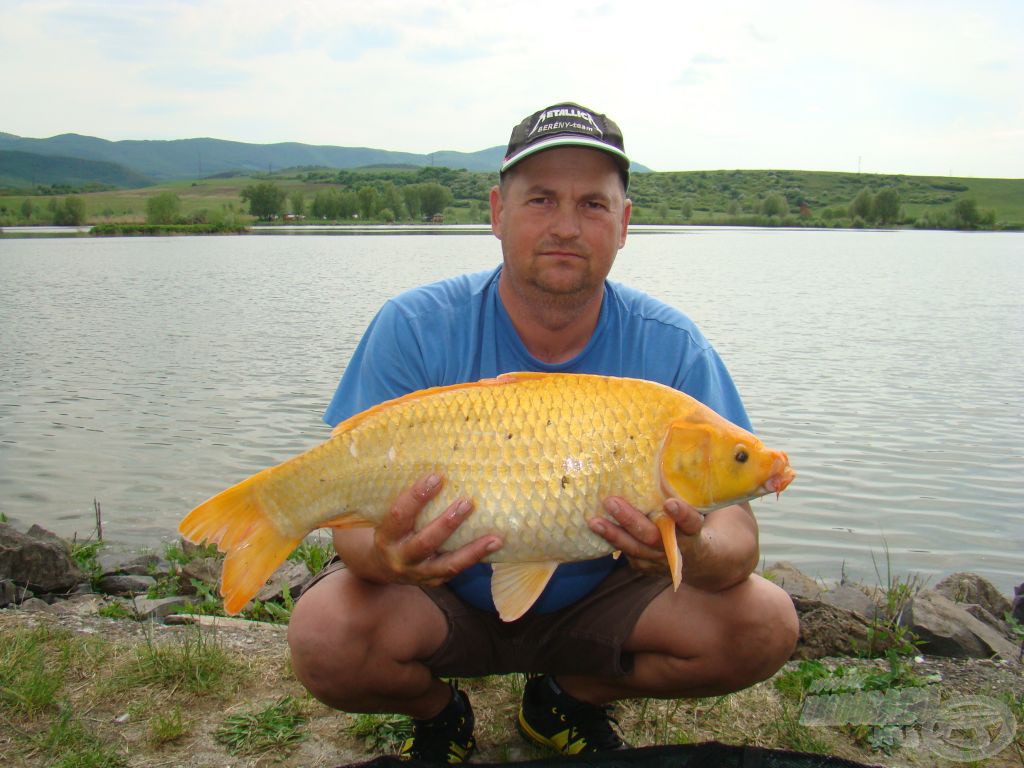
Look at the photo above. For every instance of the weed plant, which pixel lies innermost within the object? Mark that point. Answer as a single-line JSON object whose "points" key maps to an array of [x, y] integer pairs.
{"points": [[275, 728], [314, 553], [381, 733], [165, 728], [194, 662]]}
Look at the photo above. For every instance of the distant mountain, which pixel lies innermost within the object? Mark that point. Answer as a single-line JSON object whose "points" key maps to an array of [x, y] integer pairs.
{"points": [[27, 169], [193, 158]]}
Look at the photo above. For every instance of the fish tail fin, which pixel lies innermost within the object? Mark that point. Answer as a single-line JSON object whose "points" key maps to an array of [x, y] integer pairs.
{"points": [[667, 526], [254, 546]]}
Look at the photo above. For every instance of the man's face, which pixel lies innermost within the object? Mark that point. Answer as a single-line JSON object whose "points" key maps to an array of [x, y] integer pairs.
{"points": [[561, 217]]}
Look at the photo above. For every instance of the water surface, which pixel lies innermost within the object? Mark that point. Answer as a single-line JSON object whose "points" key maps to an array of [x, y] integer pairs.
{"points": [[150, 373]]}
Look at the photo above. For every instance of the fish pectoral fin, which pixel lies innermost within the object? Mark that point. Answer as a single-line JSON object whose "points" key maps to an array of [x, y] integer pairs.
{"points": [[515, 587], [348, 520], [667, 527]]}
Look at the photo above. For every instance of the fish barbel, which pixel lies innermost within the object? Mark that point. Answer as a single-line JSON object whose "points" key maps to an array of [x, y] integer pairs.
{"points": [[537, 453]]}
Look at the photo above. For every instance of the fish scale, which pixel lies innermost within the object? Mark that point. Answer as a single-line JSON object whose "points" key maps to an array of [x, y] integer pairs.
{"points": [[536, 453]]}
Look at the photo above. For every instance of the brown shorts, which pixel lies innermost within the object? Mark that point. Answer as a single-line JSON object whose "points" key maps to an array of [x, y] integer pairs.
{"points": [[584, 638]]}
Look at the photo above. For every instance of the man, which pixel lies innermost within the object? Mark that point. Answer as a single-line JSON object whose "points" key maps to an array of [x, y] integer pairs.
{"points": [[379, 633]]}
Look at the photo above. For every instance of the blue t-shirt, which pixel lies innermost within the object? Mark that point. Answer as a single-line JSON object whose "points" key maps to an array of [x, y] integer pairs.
{"points": [[457, 330]]}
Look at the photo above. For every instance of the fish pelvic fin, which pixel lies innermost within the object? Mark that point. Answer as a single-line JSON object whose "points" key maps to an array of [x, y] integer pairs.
{"points": [[254, 547], [667, 527], [515, 587]]}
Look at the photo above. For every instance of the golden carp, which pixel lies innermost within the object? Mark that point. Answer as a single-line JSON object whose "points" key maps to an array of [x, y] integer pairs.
{"points": [[537, 453]]}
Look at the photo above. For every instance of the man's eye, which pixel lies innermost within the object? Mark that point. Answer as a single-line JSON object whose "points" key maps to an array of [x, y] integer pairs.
{"points": [[594, 205]]}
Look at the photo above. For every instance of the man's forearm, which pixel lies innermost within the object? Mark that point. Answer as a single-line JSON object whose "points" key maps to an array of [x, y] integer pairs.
{"points": [[728, 550]]}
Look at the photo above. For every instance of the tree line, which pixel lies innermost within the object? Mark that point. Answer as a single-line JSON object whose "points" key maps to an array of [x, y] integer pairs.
{"points": [[370, 201]]}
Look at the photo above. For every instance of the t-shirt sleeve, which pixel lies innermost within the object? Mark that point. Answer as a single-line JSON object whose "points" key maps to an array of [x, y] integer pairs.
{"points": [[388, 363], [708, 380]]}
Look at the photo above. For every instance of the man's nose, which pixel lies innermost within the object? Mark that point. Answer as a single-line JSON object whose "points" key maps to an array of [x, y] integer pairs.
{"points": [[566, 222]]}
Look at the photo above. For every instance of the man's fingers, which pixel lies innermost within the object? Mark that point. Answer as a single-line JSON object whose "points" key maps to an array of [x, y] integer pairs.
{"points": [[432, 536], [402, 516], [634, 521], [444, 567], [687, 518], [622, 540]]}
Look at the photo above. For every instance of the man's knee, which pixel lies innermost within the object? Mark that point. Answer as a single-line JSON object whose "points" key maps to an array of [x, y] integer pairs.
{"points": [[327, 645], [763, 634]]}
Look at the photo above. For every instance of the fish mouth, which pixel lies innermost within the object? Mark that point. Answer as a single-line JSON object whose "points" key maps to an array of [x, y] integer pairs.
{"points": [[781, 476]]}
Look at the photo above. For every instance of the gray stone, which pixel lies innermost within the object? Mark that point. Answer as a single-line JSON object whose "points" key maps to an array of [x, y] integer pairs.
{"points": [[125, 584], [947, 629], [40, 533], [8, 592], [985, 617], [146, 608], [793, 580], [852, 599], [78, 605], [292, 574], [119, 562], [204, 569], [972, 588], [35, 605], [40, 564]]}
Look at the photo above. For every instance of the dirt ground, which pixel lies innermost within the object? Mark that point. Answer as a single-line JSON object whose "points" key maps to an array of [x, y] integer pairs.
{"points": [[755, 716]]}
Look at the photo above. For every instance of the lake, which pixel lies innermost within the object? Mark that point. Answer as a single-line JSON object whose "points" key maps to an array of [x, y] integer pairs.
{"points": [[149, 373]]}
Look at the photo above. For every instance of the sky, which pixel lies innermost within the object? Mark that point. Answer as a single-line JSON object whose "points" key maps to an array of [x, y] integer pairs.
{"points": [[917, 86]]}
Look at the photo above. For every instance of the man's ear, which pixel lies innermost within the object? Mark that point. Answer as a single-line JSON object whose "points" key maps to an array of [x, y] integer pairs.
{"points": [[627, 210], [496, 207]]}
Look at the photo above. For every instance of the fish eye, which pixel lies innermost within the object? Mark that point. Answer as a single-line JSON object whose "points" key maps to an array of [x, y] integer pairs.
{"points": [[741, 455]]}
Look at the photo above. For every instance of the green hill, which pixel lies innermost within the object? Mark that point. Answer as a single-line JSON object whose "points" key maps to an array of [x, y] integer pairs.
{"points": [[26, 170]]}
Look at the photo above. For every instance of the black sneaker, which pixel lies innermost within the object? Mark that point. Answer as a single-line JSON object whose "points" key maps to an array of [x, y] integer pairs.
{"points": [[551, 717], [447, 738]]}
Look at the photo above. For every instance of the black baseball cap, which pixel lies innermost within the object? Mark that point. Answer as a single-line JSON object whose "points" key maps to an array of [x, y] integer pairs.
{"points": [[566, 124]]}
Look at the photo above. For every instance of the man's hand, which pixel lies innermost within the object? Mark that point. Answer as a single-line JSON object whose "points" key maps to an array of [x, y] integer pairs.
{"points": [[395, 553], [719, 550], [633, 533]]}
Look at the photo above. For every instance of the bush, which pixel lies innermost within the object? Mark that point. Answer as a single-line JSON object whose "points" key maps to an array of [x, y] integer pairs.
{"points": [[163, 208]]}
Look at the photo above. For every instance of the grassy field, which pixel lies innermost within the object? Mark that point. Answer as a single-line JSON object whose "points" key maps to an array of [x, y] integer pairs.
{"points": [[697, 197]]}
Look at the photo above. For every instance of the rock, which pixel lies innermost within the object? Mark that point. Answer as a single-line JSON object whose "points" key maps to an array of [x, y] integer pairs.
{"points": [[828, 630], [78, 605], [40, 533], [292, 574], [972, 588], [947, 629], [38, 563], [36, 605], [146, 608], [125, 584], [793, 580], [119, 562], [985, 617], [204, 569], [8, 592], [852, 599]]}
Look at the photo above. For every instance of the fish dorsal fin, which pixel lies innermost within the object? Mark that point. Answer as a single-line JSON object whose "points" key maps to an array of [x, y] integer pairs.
{"points": [[515, 587], [667, 527], [505, 378]]}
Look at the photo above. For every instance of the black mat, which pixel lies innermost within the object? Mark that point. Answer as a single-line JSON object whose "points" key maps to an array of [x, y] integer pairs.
{"points": [[708, 755]]}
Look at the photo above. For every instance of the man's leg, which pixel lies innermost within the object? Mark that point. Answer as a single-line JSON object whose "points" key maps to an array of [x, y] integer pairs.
{"points": [[692, 643], [358, 647]]}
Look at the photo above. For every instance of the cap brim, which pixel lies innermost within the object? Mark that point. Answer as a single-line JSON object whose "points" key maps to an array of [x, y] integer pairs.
{"points": [[565, 141]]}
